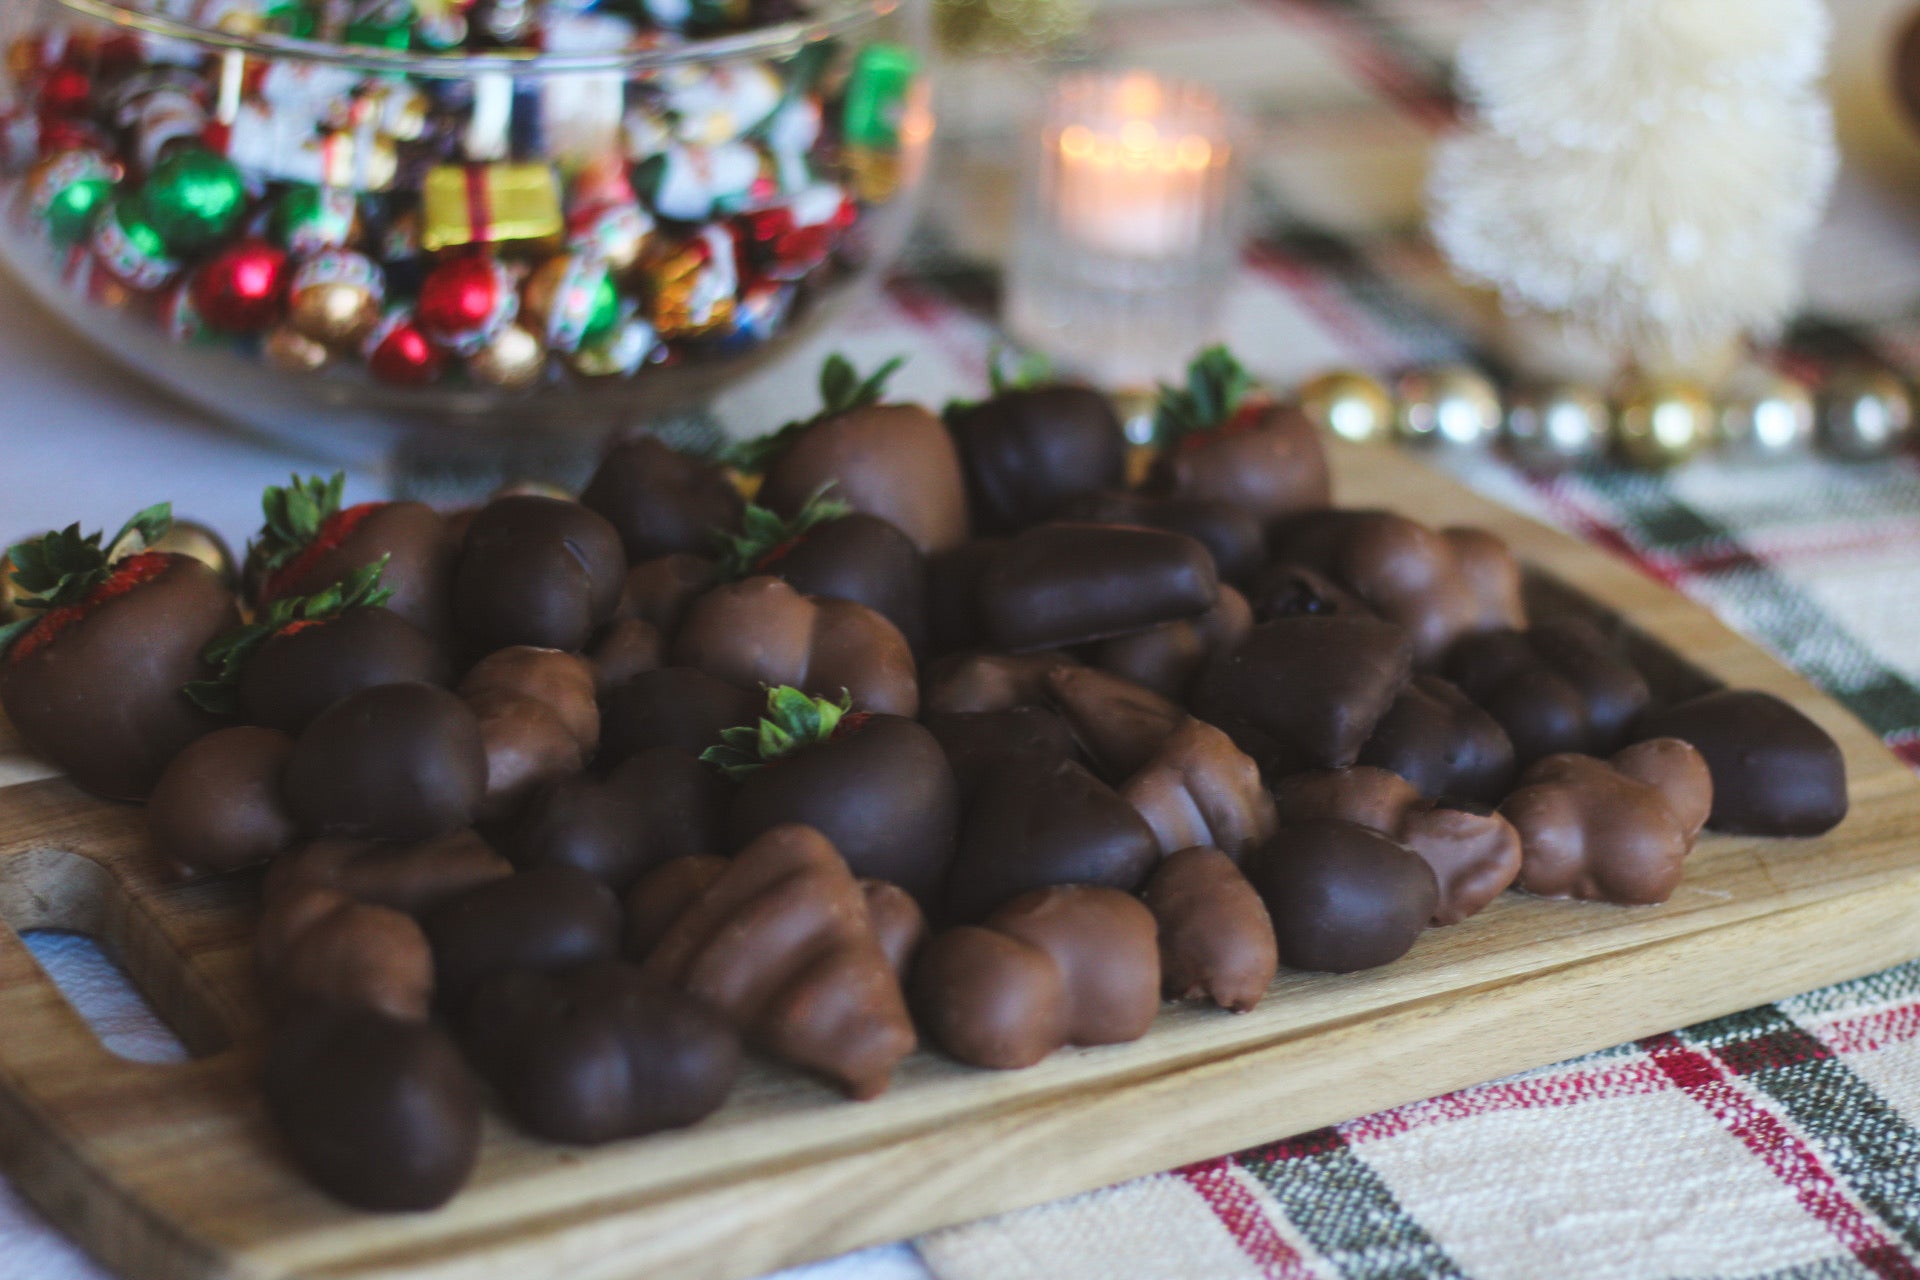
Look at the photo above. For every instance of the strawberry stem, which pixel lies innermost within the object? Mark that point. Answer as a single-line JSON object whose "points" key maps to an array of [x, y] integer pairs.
{"points": [[794, 721], [61, 569], [1217, 385], [230, 653], [765, 536]]}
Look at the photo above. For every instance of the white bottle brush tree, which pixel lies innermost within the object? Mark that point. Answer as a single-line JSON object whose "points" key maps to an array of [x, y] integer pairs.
{"points": [[1646, 170]]}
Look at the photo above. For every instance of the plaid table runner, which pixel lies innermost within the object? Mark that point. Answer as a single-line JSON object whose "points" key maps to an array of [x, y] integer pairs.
{"points": [[1783, 1142]]}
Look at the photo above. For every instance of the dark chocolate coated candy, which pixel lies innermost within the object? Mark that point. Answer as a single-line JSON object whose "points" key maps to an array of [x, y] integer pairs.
{"points": [[1775, 772], [1028, 452], [660, 500], [1344, 897], [397, 762], [977, 742], [864, 559], [674, 707], [1288, 590], [296, 675], [661, 803], [600, 1052], [1306, 692], [380, 1113], [1556, 687], [1062, 584], [536, 571], [218, 806], [1231, 534], [953, 619], [1031, 827], [545, 918], [1435, 737], [880, 790]]}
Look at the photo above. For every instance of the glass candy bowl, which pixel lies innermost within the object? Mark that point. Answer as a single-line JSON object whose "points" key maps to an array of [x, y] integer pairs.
{"points": [[304, 216]]}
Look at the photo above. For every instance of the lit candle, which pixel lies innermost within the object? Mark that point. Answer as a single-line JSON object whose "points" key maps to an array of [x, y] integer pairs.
{"points": [[1136, 168]]}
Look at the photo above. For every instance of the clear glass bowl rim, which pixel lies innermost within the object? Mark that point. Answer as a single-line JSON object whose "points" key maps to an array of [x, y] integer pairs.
{"points": [[833, 18]]}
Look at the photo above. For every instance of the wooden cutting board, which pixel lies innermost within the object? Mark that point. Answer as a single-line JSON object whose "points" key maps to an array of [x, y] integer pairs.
{"points": [[169, 1172]]}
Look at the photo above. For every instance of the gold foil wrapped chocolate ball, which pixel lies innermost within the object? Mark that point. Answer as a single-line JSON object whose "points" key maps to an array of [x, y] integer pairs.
{"points": [[1765, 416], [1350, 404], [285, 347], [1661, 424], [1451, 405], [9, 593], [513, 361], [1558, 427], [195, 540], [1865, 413]]}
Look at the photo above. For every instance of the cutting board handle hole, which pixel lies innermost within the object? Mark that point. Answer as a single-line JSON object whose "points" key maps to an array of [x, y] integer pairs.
{"points": [[108, 958]]}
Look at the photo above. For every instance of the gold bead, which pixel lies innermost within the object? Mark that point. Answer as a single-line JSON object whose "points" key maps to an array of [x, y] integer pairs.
{"points": [[196, 540], [513, 361], [1663, 423], [1865, 413], [1765, 415], [1454, 405], [1350, 404], [1558, 427]]}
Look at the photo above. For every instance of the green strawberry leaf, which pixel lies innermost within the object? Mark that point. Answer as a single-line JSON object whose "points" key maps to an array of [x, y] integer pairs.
{"points": [[762, 532], [794, 721], [230, 653], [1217, 385], [60, 568], [294, 515], [841, 390]]}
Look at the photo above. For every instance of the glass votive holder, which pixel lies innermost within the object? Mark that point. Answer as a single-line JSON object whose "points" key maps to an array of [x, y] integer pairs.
{"points": [[1130, 226]]}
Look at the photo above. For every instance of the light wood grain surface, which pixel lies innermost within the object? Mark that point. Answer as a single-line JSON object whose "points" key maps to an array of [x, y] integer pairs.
{"points": [[170, 1172]]}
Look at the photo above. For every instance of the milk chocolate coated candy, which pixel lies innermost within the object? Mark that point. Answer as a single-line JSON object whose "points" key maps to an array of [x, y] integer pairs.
{"points": [[1233, 535], [662, 501], [1064, 584], [860, 558], [1030, 827], [977, 742], [1118, 724], [658, 804], [781, 943], [218, 807], [398, 762], [1596, 830], [381, 1114], [1439, 584], [968, 682], [659, 590], [317, 945], [536, 571], [1167, 658], [301, 672], [546, 918], [895, 461], [880, 790], [661, 895], [1474, 852], [1306, 692], [1028, 452], [538, 720], [407, 877], [1435, 737], [1775, 772], [599, 1052], [898, 923], [1216, 942], [1344, 897], [415, 540], [1556, 687], [141, 646], [1072, 964], [1267, 461], [1200, 789], [674, 707], [760, 632]]}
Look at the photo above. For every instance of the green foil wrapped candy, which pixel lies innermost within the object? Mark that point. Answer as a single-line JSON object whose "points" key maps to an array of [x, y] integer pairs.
{"points": [[194, 199]]}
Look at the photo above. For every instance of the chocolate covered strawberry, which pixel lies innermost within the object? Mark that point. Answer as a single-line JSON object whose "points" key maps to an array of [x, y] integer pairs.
{"points": [[1221, 438], [1034, 446], [92, 674], [661, 500], [305, 653], [311, 542], [895, 461], [878, 786], [828, 549]]}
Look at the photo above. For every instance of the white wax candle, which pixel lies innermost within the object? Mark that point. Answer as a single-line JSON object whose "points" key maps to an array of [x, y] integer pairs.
{"points": [[1131, 180]]}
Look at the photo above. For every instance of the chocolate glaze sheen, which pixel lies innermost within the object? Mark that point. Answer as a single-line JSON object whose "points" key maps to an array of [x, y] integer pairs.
{"points": [[1435, 737], [1064, 584], [397, 762], [546, 918], [1030, 451], [142, 647], [881, 790], [1775, 772], [1233, 535], [1344, 897], [660, 500], [659, 804], [297, 674], [977, 742], [536, 571]]}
